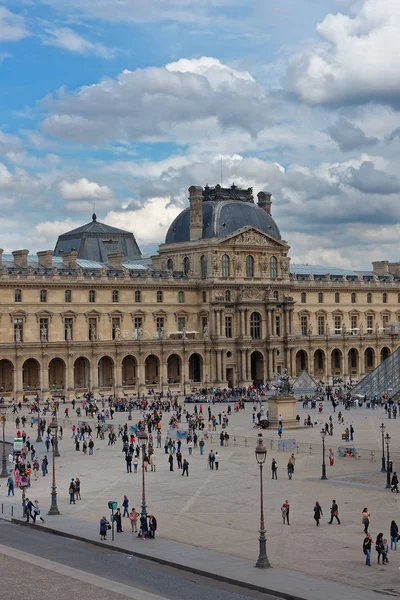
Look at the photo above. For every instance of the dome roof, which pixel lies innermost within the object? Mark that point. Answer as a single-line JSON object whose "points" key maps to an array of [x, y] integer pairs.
{"points": [[221, 218]]}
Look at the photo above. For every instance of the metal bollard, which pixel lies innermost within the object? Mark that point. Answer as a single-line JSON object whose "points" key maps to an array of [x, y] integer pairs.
{"points": [[245, 442], [2, 508], [12, 510]]}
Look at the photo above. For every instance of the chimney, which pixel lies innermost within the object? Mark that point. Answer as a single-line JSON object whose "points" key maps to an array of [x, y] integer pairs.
{"points": [[21, 258], [264, 201], [196, 212], [69, 260], [381, 268], [115, 260], [45, 259], [1, 256]]}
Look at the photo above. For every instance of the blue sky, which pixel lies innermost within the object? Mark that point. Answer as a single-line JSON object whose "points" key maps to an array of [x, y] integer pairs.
{"points": [[125, 104]]}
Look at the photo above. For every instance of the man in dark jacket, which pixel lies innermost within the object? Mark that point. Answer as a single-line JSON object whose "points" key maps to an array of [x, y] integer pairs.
{"points": [[334, 512], [152, 526]]}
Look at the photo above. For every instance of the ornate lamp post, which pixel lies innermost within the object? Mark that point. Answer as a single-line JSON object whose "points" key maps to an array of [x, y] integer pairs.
{"points": [[383, 467], [261, 455], [387, 440], [323, 434], [3, 412], [53, 507], [142, 437], [39, 435]]}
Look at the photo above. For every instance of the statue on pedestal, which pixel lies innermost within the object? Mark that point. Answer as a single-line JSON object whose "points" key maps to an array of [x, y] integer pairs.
{"points": [[282, 384]]}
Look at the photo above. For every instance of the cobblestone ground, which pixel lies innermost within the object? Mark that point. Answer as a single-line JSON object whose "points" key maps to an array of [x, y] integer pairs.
{"points": [[220, 509]]}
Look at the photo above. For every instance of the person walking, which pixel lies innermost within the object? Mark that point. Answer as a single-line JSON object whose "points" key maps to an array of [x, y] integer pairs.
{"points": [[128, 460], [395, 483], [290, 469], [36, 511], [185, 468], [285, 509], [104, 525], [280, 430], [28, 509], [394, 535], [317, 513], [71, 492], [78, 489], [10, 486], [118, 520], [133, 517], [125, 506], [91, 447], [179, 459], [152, 526], [190, 447], [216, 461], [367, 544], [379, 547], [334, 512], [171, 462], [274, 469], [153, 462], [211, 459], [201, 447], [365, 519], [135, 463]]}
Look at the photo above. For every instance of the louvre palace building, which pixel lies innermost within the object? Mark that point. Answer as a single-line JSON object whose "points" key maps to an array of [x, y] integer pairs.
{"points": [[219, 305]]}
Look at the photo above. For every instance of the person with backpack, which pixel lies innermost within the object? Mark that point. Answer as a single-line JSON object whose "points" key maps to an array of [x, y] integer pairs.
{"points": [[367, 543]]}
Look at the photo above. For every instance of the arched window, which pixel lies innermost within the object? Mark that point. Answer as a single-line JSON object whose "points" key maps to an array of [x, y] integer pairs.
{"points": [[68, 296], [159, 296], [276, 295], [186, 265], [226, 266], [353, 298], [115, 296], [170, 264], [303, 297], [228, 295], [138, 296], [321, 297], [92, 296], [384, 298], [369, 298], [337, 298], [43, 295], [18, 296], [204, 296], [181, 297], [203, 266], [249, 266], [255, 326], [273, 267]]}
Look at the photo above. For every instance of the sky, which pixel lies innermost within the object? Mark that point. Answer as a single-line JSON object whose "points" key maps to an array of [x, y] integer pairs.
{"points": [[122, 105]]}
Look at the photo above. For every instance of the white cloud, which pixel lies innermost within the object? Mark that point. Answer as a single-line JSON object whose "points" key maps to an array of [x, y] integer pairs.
{"points": [[12, 26], [68, 39], [355, 62], [49, 231], [84, 189]]}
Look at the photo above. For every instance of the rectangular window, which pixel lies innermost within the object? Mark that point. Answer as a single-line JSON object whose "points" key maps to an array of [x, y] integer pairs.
{"points": [[321, 325], [304, 325], [116, 328], [181, 323], [137, 329], [44, 330], [68, 323], [138, 296], [159, 327], [385, 320], [18, 330], [278, 325], [92, 329], [338, 325], [370, 323], [228, 327], [353, 324]]}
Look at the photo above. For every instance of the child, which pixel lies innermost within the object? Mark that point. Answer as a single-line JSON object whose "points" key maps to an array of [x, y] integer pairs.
{"points": [[385, 559]]}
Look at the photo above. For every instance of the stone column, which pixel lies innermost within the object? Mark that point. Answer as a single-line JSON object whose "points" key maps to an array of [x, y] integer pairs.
{"points": [[142, 373], [223, 365], [248, 364], [94, 374], [242, 323], [44, 376], [270, 364], [118, 376]]}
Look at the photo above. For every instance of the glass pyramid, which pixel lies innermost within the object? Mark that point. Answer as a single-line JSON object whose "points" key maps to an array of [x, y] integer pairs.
{"points": [[385, 379], [304, 384]]}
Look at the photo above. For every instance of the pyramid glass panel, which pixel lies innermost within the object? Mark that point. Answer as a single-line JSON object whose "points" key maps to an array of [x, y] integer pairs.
{"points": [[385, 379], [305, 384]]}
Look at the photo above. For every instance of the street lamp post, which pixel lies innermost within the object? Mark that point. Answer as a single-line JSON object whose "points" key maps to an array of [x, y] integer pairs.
{"points": [[261, 455], [142, 437], [39, 434], [323, 434], [55, 444], [383, 467], [387, 440], [53, 507], [3, 412]]}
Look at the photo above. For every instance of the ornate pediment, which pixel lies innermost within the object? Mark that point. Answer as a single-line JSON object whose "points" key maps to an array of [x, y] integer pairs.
{"points": [[251, 236]]}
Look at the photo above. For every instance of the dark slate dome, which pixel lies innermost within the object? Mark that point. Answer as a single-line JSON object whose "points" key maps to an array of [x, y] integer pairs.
{"points": [[224, 213]]}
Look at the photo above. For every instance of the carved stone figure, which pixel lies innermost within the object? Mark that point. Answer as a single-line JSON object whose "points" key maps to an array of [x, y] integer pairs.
{"points": [[310, 329], [264, 262], [17, 335], [284, 262], [68, 333], [205, 331], [236, 263], [43, 334], [282, 384], [117, 333], [216, 263]]}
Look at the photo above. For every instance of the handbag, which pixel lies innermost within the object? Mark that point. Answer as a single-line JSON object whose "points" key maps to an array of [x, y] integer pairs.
{"points": [[108, 526]]}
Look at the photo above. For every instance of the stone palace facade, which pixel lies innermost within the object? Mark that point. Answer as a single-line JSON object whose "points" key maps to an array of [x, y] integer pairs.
{"points": [[218, 305]]}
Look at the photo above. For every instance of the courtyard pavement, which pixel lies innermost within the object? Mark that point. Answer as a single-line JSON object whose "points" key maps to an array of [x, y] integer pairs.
{"points": [[219, 510]]}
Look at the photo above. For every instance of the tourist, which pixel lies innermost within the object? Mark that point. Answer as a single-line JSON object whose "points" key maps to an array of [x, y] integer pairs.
{"points": [[133, 517], [290, 469], [36, 511], [285, 509], [152, 526], [125, 506], [143, 527], [78, 489], [190, 447], [128, 460], [365, 519], [385, 558], [334, 513], [274, 469], [72, 492], [394, 534], [28, 509], [201, 447], [135, 461], [153, 462], [104, 526], [317, 513], [171, 462], [91, 447], [280, 430], [211, 459], [185, 468], [179, 459], [379, 547], [10, 486], [118, 520], [395, 483], [367, 549], [216, 461]]}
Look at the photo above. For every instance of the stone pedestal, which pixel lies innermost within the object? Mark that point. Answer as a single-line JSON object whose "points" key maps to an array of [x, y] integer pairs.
{"points": [[285, 406]]}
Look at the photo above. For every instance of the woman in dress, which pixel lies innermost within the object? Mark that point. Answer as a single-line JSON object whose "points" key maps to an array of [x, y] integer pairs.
{"points": [[317, 513]]}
